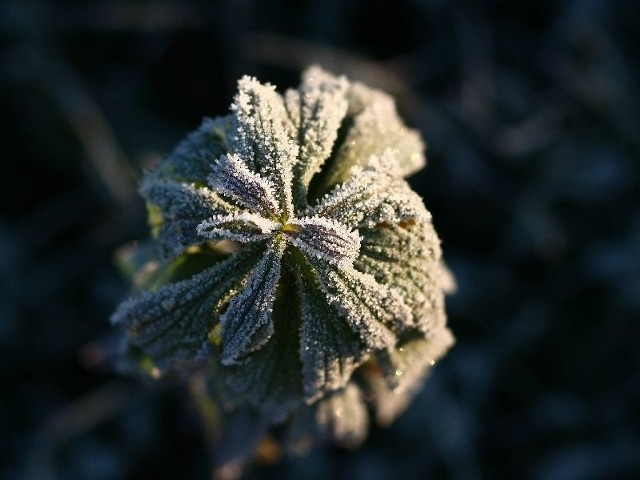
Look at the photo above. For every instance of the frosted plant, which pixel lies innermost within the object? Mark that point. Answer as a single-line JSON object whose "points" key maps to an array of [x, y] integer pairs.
{"points": [[296, 270]]}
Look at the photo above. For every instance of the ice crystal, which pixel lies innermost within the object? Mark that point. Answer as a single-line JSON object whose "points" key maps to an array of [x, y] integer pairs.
{"points": [[296, 269]]}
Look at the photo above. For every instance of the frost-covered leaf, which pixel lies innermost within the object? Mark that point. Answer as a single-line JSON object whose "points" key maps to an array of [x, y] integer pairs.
{"points": [[246, 324], [191, 161], [270, 378], [374, 127], [243, 227], [265, 137], [316, 109], [372, 196], [324, 239], [321, 303], [155, 274], [408, 260], [172, 323], [329, 348], [370, 309], [176, 209], [231, 177]]}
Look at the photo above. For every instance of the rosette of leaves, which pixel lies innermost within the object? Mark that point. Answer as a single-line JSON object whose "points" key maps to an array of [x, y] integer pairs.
{"points": [[294, 269]]}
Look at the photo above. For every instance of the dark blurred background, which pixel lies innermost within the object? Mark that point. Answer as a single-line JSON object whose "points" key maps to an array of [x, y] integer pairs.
{"points": [[531, 110]]}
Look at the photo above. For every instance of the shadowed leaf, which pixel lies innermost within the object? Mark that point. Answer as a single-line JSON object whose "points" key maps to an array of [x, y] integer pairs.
{"points": [[329, 348], [172, 323], [180, 208], [270, 378], [191, 160], [247, 324]]}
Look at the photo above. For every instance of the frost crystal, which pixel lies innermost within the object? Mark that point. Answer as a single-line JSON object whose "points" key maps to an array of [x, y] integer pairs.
{"points": [[296, 269]]}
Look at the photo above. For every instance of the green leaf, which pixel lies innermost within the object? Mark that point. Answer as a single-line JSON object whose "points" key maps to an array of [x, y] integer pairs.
{"points": [[156, 274], [405, 366], [316, 109], [191, 161], [246, 324], [372, 196], [232, 178], [270, 378], [329, 348], [264, 136], [375, 127], [176, 209], [242, 227], [372, 311], [407, 259], [133, 257], [172, 323], [324, 239]]}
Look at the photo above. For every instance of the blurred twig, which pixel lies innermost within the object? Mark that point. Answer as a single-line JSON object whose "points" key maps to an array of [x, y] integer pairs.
{"points": [[74, 420], [84, 116], [296, 54], [234, 25]]}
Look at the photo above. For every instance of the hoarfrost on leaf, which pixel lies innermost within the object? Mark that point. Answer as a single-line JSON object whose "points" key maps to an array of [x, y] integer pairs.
{"points": [[295, 265], [325, 239], [232, 178], [172, 323], [317, 108], [180, 208], [246, 324], [243, 227], [373, 196]]}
